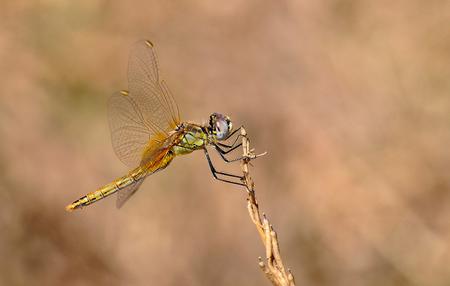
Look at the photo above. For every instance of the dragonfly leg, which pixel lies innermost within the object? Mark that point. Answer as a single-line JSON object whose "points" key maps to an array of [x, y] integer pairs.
{"points": [[234, 132], [215, 172], [222, 153], [229, 136]]}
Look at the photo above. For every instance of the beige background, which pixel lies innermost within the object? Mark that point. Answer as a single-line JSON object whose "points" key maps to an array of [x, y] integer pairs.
{"points": [[350, 98]]}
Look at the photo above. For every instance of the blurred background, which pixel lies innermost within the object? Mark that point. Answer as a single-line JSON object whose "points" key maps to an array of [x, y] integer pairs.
{"points": [[351, 99]]}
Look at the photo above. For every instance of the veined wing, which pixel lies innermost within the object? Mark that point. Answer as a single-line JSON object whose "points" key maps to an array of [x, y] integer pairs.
{"points": [[147, 113], [151, 94], [125, 194], [129, 131], [160, 162]]}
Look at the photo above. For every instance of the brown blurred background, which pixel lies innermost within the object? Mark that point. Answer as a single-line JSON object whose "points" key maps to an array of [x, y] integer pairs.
{"points": [[350, 98]]}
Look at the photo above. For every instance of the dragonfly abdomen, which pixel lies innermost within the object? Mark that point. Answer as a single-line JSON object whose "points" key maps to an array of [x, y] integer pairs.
{"points": [[107, 190], [90, 198]]}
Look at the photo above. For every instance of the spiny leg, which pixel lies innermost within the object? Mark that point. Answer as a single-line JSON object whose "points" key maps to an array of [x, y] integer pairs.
{"points": [[215, 173], [226, 151], [228, 148], [222, 153], [234, 132], [235, 140]]}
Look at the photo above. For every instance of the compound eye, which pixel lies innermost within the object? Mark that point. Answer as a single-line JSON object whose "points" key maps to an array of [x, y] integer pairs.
{"points": [[221, 129]]}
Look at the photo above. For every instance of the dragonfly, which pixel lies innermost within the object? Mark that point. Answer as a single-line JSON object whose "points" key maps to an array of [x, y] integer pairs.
{"points": [[147, 132]]}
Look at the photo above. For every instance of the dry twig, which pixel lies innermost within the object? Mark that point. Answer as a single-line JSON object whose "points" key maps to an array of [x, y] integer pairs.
{"points": [[273, 268]]}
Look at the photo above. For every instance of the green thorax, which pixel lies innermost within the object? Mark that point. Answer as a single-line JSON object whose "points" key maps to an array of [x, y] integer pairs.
{"points": [[192, 137]]}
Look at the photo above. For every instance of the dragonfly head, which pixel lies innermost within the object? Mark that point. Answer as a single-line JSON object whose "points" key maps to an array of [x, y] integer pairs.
{"points": [[220, 126]]}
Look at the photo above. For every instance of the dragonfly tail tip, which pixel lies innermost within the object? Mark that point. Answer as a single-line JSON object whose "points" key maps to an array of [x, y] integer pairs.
{"points": [[70, 208]]}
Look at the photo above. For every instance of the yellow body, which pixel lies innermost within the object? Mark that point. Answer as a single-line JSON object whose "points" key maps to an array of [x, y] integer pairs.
{"points": [[188, 138], [108, 189], [146, 130]]}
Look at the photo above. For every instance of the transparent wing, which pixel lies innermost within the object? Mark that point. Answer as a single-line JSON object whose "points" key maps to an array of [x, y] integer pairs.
{"points": [[124, 194], [146, 113], [129, 131], [151, 94]]}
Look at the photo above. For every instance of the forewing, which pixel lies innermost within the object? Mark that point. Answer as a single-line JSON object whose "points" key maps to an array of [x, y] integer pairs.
{"points": [[144, 115], [150, 93]]}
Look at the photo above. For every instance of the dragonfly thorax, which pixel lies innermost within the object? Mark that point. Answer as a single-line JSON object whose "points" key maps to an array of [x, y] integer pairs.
{"points": [[220, 126]]}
